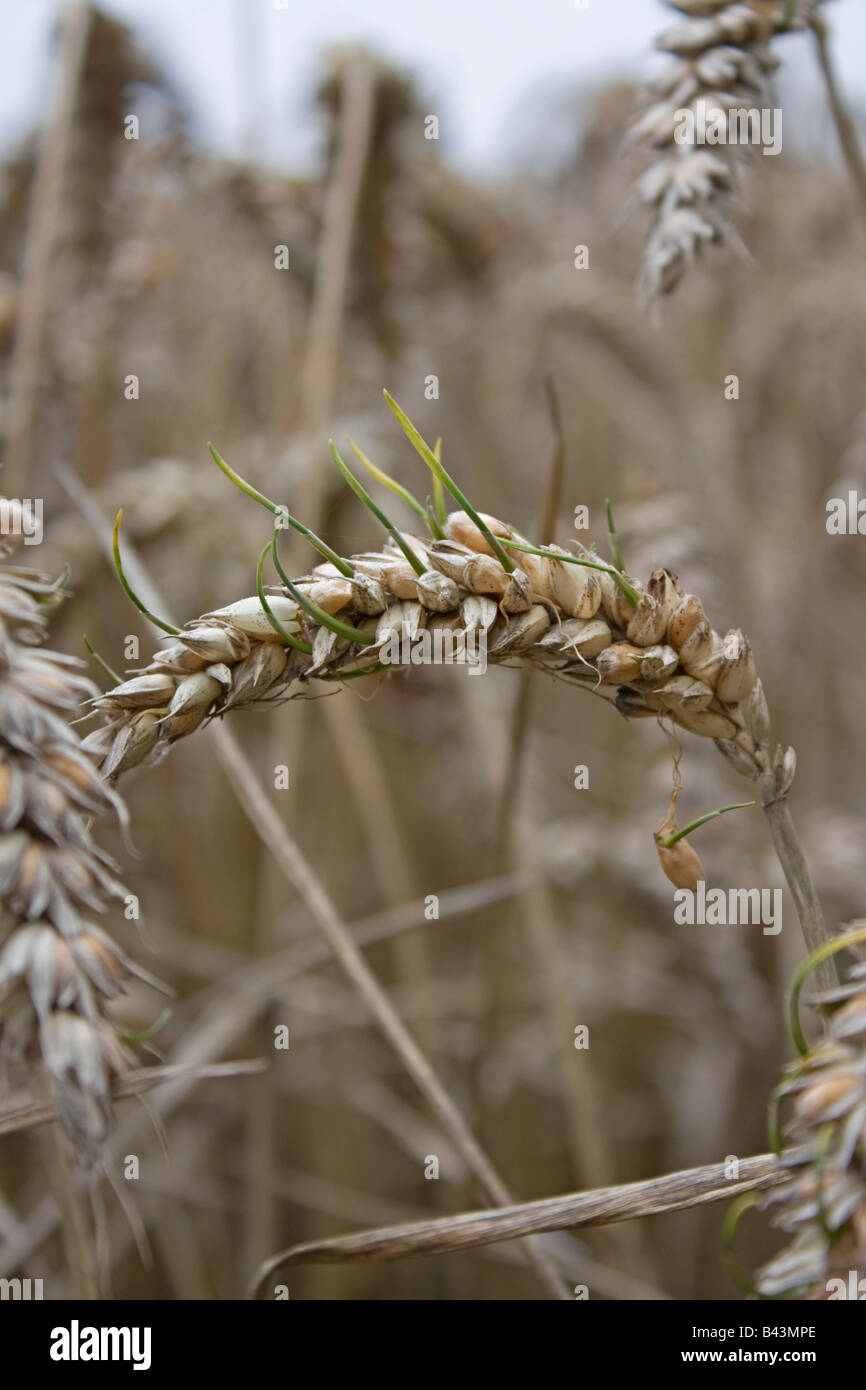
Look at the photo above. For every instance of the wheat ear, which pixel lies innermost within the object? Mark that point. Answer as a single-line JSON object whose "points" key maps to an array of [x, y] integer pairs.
{"points": [[723, 59], [58, 969], [824, 1205], [649, 650]]}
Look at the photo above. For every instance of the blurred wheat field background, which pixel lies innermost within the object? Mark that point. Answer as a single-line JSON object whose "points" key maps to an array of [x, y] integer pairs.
{"points": [[401, 269]]}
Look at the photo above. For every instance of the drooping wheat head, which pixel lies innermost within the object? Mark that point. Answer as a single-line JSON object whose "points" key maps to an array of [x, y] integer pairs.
{"points": [[650, 650]]}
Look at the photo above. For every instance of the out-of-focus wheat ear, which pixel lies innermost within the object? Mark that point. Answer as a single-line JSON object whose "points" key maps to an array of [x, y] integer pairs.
{"points": [[823, 1207], [722, 64], [58, 969]]}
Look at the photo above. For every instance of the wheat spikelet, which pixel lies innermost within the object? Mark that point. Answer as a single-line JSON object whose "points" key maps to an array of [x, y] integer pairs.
{"points": [[723, 61], [58, 968], [824, 1205], [649, 650]]}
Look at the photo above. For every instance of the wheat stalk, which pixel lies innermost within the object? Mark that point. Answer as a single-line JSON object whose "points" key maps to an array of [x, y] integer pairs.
{"points": [[573, 1211], [723, 59], [58, 969], [44, 219]]}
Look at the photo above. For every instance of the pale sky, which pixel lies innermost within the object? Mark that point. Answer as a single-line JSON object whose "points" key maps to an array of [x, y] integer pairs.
{"points": [[484, 66]]}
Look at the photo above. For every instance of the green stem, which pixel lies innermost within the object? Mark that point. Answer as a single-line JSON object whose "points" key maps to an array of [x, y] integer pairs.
{"points": [[439, 510], [438, 471], [127, 587], [391, 483], [274, 621], [615, 547], [103, 665], [438, 492], [621, 583], [336, 560], [829, 948], [733, 1216], [669, 841], [360, 491], [353, 675], [146, 1034], [353, 634]]}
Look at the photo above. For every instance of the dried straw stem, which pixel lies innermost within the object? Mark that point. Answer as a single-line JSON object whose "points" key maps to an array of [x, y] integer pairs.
{"points": [[77, 1224], [849, 139], [45, 207], [318, 380], [789, 851], [586, 1114], [132, 1083], [287, 855], [357, 77], [692, 1187]]}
